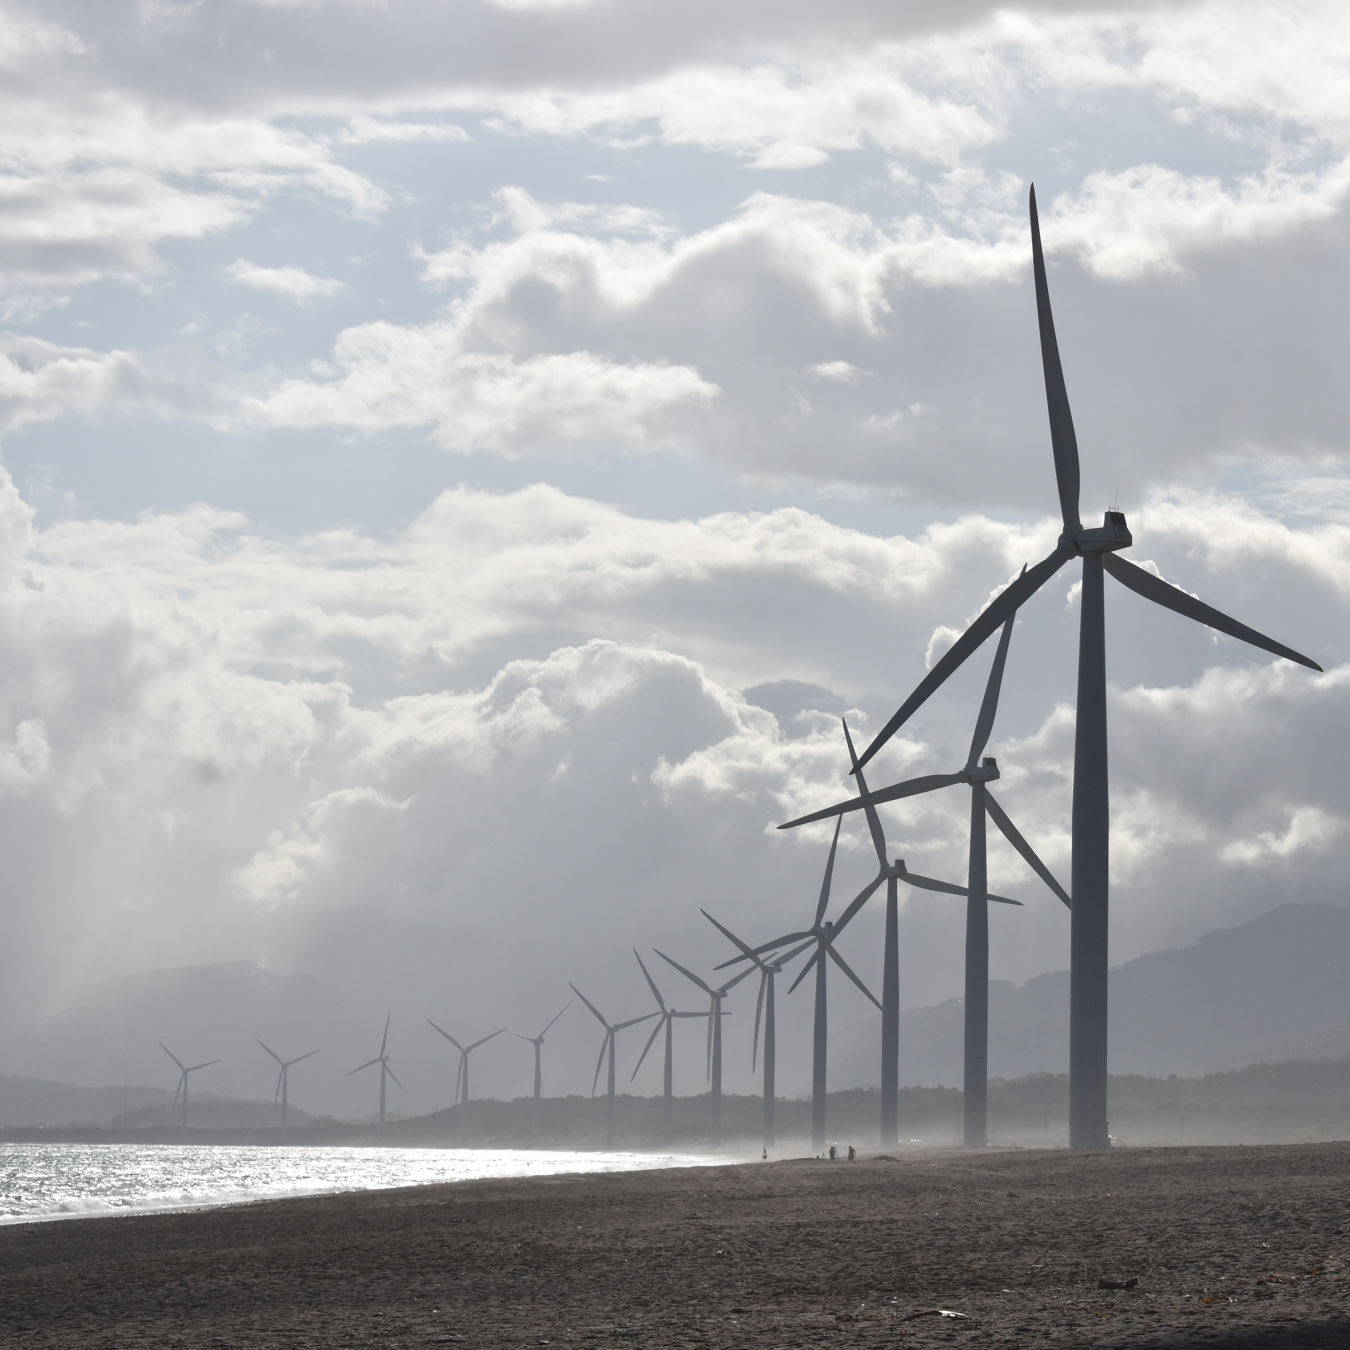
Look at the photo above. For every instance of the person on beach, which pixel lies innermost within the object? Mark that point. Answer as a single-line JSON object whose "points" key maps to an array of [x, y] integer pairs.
{"points": [[852, 1154], [834, 1154]]}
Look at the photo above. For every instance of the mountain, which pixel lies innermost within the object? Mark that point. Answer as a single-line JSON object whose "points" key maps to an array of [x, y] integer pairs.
{"points": [[1271, 989]]}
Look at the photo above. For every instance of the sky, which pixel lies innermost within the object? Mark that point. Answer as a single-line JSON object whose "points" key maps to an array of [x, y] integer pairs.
{"points": [[461, 459]]}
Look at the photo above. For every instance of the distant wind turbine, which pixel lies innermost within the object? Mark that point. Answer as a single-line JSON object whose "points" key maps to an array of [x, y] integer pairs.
{"points": [[1090, 868], [768, 967], [714, 1053], [668, 1016], [978, 775], [538, 1043], [183, 1071], [462, 1076], [382, 1060], [822, 932], [611, 1035], [283, 1082]]}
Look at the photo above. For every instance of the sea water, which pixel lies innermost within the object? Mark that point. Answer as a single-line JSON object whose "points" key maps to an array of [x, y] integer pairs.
{"points": [[64, 1181]]}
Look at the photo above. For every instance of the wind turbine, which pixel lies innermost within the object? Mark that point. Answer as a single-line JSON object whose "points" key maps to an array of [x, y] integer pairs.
{"points": [[183, 1071], [767, 968], [714, 1039], [668, 1016], [822, 932], [611, 1035], [283, 1081], [978, 775], [1089, 882], [382, 1060], [462, 1076], [538, 1043]]}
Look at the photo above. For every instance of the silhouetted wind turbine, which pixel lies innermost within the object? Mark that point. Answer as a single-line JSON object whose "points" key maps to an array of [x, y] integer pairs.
{"points": [[891, 872], [714, 1054], [183, 1071], [1089, 882], [538, 1043], [768, 968], [668, 1016], [611, 1035], [283, 1082], [462, 1076], [978, 775], [382, 1060], [821, 932]]}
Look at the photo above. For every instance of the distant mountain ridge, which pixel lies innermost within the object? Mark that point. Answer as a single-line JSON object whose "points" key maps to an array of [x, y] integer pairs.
{"points": [[1273, 989]]}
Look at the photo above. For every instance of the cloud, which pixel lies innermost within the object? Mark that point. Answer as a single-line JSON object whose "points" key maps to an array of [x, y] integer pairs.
{"points": [[292, 282]]}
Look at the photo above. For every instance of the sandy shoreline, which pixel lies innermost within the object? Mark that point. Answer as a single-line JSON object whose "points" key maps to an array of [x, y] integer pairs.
{"points": [[1231, 1246]]}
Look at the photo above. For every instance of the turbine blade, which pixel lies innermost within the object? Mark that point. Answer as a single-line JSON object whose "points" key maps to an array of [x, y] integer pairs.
{"points": [[727, 933], [276, 1096], [170, 1054], [829, 873], [764, 978], [656, 993], [633, 1021], [1062, 440], [1171, 597], [712, 1013], [447, 1036], [873, 820], [588, 1003], [856, 904], [656, 1031], [545, 1031], [984, 724], [928, 884], [366, 1065], [796, 951], [1014, 837], [181, 1079], [767, 946], [483, 1040], [271, 1052], [459, 1076], [1006, 602], [392, 1075], [913, 787], [604, 1045], [298, 1058], [801, 975], [845, 967], [384, 1040], [735, 980], [688, 974], [519, 1037], [192, 1068]]}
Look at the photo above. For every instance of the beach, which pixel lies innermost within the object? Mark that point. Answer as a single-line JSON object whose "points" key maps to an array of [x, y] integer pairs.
{"points": [[1229, 1246]]}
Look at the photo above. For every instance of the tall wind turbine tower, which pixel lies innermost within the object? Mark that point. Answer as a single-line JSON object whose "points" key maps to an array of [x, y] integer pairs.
{"points": [[538, 1043], [1099, 550], [382, 1059], [715, 997], [611, 1035], [183, 1071], [283, 1082], [668, 1016], [462, 1076]]}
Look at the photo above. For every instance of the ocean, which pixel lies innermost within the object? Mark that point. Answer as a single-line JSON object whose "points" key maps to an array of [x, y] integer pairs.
{"points": [[66, 1181]]}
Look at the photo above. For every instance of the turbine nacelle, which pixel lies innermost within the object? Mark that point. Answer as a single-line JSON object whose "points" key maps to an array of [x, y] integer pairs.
{"points": [[1114, 534], [985, 772]]}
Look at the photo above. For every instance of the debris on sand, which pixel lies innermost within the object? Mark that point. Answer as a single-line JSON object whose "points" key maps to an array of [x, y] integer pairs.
{"points": [[1104, 1283], [934, 1312]]}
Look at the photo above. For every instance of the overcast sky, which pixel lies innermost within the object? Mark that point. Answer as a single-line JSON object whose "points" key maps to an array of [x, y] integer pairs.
{"points": [[423, 421]]}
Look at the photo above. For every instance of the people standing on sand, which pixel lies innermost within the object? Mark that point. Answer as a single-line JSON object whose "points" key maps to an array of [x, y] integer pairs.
{"points": [[852, 1154], [834, 1154]]}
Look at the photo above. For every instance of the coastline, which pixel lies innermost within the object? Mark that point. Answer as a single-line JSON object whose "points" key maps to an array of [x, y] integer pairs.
{"points": [[1233, 1246]]}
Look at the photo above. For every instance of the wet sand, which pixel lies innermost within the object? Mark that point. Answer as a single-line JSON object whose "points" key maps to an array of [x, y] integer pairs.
{"points": [[1230, 1246]]}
